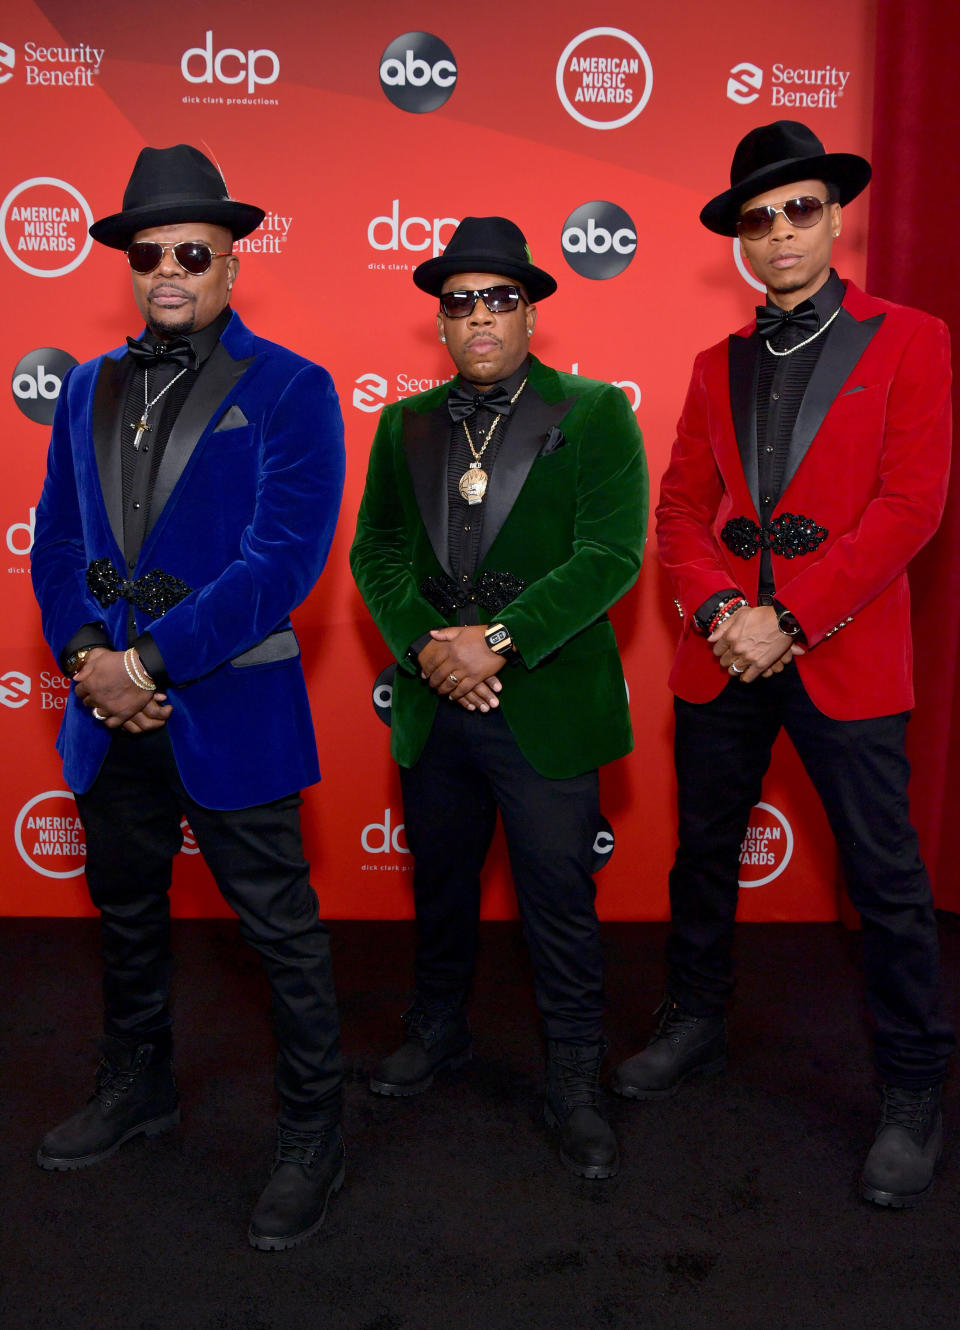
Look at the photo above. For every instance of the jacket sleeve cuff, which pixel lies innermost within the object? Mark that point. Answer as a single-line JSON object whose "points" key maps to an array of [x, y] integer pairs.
{"points": [[90, 635], [152, 660]]}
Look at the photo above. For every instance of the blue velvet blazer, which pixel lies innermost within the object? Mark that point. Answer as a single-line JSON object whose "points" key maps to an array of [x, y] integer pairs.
{"points": [[243, 511]]}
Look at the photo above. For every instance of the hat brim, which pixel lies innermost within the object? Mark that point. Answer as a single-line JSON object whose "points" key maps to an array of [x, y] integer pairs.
{"points": [[431, 275], [118, 230], [850, 173]]}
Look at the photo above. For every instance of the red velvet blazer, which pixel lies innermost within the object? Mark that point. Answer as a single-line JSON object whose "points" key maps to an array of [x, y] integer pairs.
{"points": [[868, 461]]}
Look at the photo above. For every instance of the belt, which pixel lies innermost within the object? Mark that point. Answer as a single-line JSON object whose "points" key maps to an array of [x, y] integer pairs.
{"points": [[156, 591], [491, 589], [789, 535]]}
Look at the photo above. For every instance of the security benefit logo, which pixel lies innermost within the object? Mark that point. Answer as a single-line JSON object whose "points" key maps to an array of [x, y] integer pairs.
{"points": [[599, 240], [418, 72], [43, 226], [767, 847], [37, 379], [604, 78], [817, 87]]}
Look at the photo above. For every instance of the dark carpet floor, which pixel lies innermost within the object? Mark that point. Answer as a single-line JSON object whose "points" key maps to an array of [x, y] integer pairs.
{"points": [[736, 1207]]}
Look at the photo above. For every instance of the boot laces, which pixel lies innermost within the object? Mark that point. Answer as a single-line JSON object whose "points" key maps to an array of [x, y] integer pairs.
{"points": [[425, 1022], [911, 1109], [578, 1076], [114, 1082], [674, 1021], [299, 1147]]}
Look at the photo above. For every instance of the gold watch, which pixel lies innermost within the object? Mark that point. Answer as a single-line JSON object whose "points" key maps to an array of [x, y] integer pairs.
{"points": [[75, 661]]}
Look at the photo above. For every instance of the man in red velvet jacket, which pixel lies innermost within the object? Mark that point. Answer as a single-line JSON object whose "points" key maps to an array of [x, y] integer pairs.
{"points": [[810, 466]]}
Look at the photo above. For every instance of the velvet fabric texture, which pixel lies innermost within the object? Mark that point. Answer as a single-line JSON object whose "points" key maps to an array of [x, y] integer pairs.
{"points": [[570, 522], [243, 512], [869, 461]]}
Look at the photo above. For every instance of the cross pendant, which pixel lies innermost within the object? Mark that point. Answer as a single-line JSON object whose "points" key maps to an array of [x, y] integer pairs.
{"points": [[142, 428]]}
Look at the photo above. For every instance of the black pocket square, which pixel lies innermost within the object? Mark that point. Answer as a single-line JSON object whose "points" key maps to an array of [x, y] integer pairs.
{"points": [[554, 440], [232, 418], [861, 387]]}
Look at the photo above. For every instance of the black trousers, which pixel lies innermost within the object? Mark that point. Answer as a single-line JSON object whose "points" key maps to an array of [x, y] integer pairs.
{"points": [[860, 771], [470, 767], [131, 817]]}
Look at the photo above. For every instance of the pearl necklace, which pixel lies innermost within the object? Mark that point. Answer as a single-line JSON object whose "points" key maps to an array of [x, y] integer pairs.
{"points": [[806, 341]]}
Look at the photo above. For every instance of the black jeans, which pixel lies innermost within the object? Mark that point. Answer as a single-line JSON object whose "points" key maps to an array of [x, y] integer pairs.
{"points": [[470, 767], [860, 771], [131, 816]]}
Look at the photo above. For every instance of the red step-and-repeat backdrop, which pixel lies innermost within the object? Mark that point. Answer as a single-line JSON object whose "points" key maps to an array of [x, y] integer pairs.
{"points": [[366, 132]]}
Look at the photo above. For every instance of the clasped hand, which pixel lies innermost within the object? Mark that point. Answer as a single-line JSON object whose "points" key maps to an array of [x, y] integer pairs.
{"points": [[752, 643], [103, 682], [458, 664]]}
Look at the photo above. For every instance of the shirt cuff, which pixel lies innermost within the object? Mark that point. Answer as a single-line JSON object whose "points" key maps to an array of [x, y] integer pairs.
{"points": [[703, 615], [90, 635], [152, 660]]}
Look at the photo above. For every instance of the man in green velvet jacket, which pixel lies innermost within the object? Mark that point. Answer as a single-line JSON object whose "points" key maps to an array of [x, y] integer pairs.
{"points": [[504, 513]]}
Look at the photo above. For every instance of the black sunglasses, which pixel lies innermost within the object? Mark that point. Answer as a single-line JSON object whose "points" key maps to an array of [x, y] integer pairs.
{"points": [[192, 255], [758, 222], [498, 300]]}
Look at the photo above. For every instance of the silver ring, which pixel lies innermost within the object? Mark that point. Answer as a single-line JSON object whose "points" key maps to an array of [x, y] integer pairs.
{"points": [[98, 714], [453, 678], [734, 670]]}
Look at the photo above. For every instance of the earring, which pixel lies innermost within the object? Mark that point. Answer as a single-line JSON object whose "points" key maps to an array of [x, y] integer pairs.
{"points": [[529, 332], [443, 340], [836, 235]]}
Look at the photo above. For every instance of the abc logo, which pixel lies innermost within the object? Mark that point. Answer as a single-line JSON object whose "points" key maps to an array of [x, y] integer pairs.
{"points": [[418, 72], [599, 240], [36, 382], [602, 845], [383, 694]]}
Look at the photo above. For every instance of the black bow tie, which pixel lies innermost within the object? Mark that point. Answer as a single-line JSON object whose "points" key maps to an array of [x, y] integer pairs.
{"points": [[149, 356], [770, 319], [462, 402]]}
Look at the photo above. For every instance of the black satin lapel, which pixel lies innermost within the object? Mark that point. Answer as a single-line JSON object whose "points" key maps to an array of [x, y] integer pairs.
{"points": [[844, 344], [744, 363], [107, 429], [529, 426], [426, 442], [216, 379]]}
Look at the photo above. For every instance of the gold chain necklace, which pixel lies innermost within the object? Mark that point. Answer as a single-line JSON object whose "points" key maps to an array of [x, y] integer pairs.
{"points": [[473, 483]]}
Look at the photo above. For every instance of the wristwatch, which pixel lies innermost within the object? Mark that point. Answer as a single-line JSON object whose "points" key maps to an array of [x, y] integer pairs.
{"points": [[498, 639], [75, 660], [787, 623]]}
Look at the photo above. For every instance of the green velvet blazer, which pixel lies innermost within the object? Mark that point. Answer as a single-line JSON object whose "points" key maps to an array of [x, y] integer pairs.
{"points": [[566, 512]]}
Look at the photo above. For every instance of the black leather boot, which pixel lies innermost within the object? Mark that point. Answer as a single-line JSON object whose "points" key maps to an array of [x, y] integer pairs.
{"points": [[308, 1168], [134, 1095], [904, 1154], [588, 1146], [438, 1037], [682, 1045]]}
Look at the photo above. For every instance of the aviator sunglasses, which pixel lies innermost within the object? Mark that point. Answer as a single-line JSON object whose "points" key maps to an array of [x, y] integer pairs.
{"points": [[192, 255], [498, 300], [755, 223]]}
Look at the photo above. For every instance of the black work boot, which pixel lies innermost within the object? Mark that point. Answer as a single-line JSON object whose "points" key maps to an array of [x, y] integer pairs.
{"points": [[899, 1167], [682, 1045], [307, 1169], [588, 1146], [438, 1037], [133, 1095]]}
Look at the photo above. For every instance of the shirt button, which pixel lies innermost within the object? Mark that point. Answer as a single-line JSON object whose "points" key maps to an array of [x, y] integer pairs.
{"points": [[767, 500], [464, 578], [769, 448], [467, 527], [775, 396], [131, 564], [136, 505]]}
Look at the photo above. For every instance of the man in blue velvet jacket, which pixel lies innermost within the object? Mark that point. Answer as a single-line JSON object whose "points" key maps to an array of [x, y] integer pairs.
{"points": [[193, 485]]}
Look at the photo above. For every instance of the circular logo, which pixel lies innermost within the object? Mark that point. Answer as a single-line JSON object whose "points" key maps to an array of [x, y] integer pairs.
{"points": [[767, 847], [36, 382], [602, 846], [49, 836], [743, 268], [418, 72], [44, 226], [383, 693], [599, 240], [604, 78]]}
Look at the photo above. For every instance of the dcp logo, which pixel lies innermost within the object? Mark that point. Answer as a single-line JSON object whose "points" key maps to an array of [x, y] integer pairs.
{"points": [[418, 72], [14, 689], [383, 694], [413, 233], [744, 83], [18, 544], [604, 78], [370, 392], [767, 847], [36, 382], [599, 240], [8, 61], [202, 65], [378, 838], [45, 216]]}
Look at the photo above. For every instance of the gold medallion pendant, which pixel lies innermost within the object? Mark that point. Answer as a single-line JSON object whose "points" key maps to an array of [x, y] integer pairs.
{"points": [[473, 483]]}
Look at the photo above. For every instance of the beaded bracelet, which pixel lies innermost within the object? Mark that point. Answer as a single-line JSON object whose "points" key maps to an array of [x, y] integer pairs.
{"points": [[136, 672], [726, 611]]}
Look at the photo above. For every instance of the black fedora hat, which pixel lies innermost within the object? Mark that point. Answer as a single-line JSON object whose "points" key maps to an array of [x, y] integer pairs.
{"points": [[171, 185], [486, 244], [779, 154]]}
